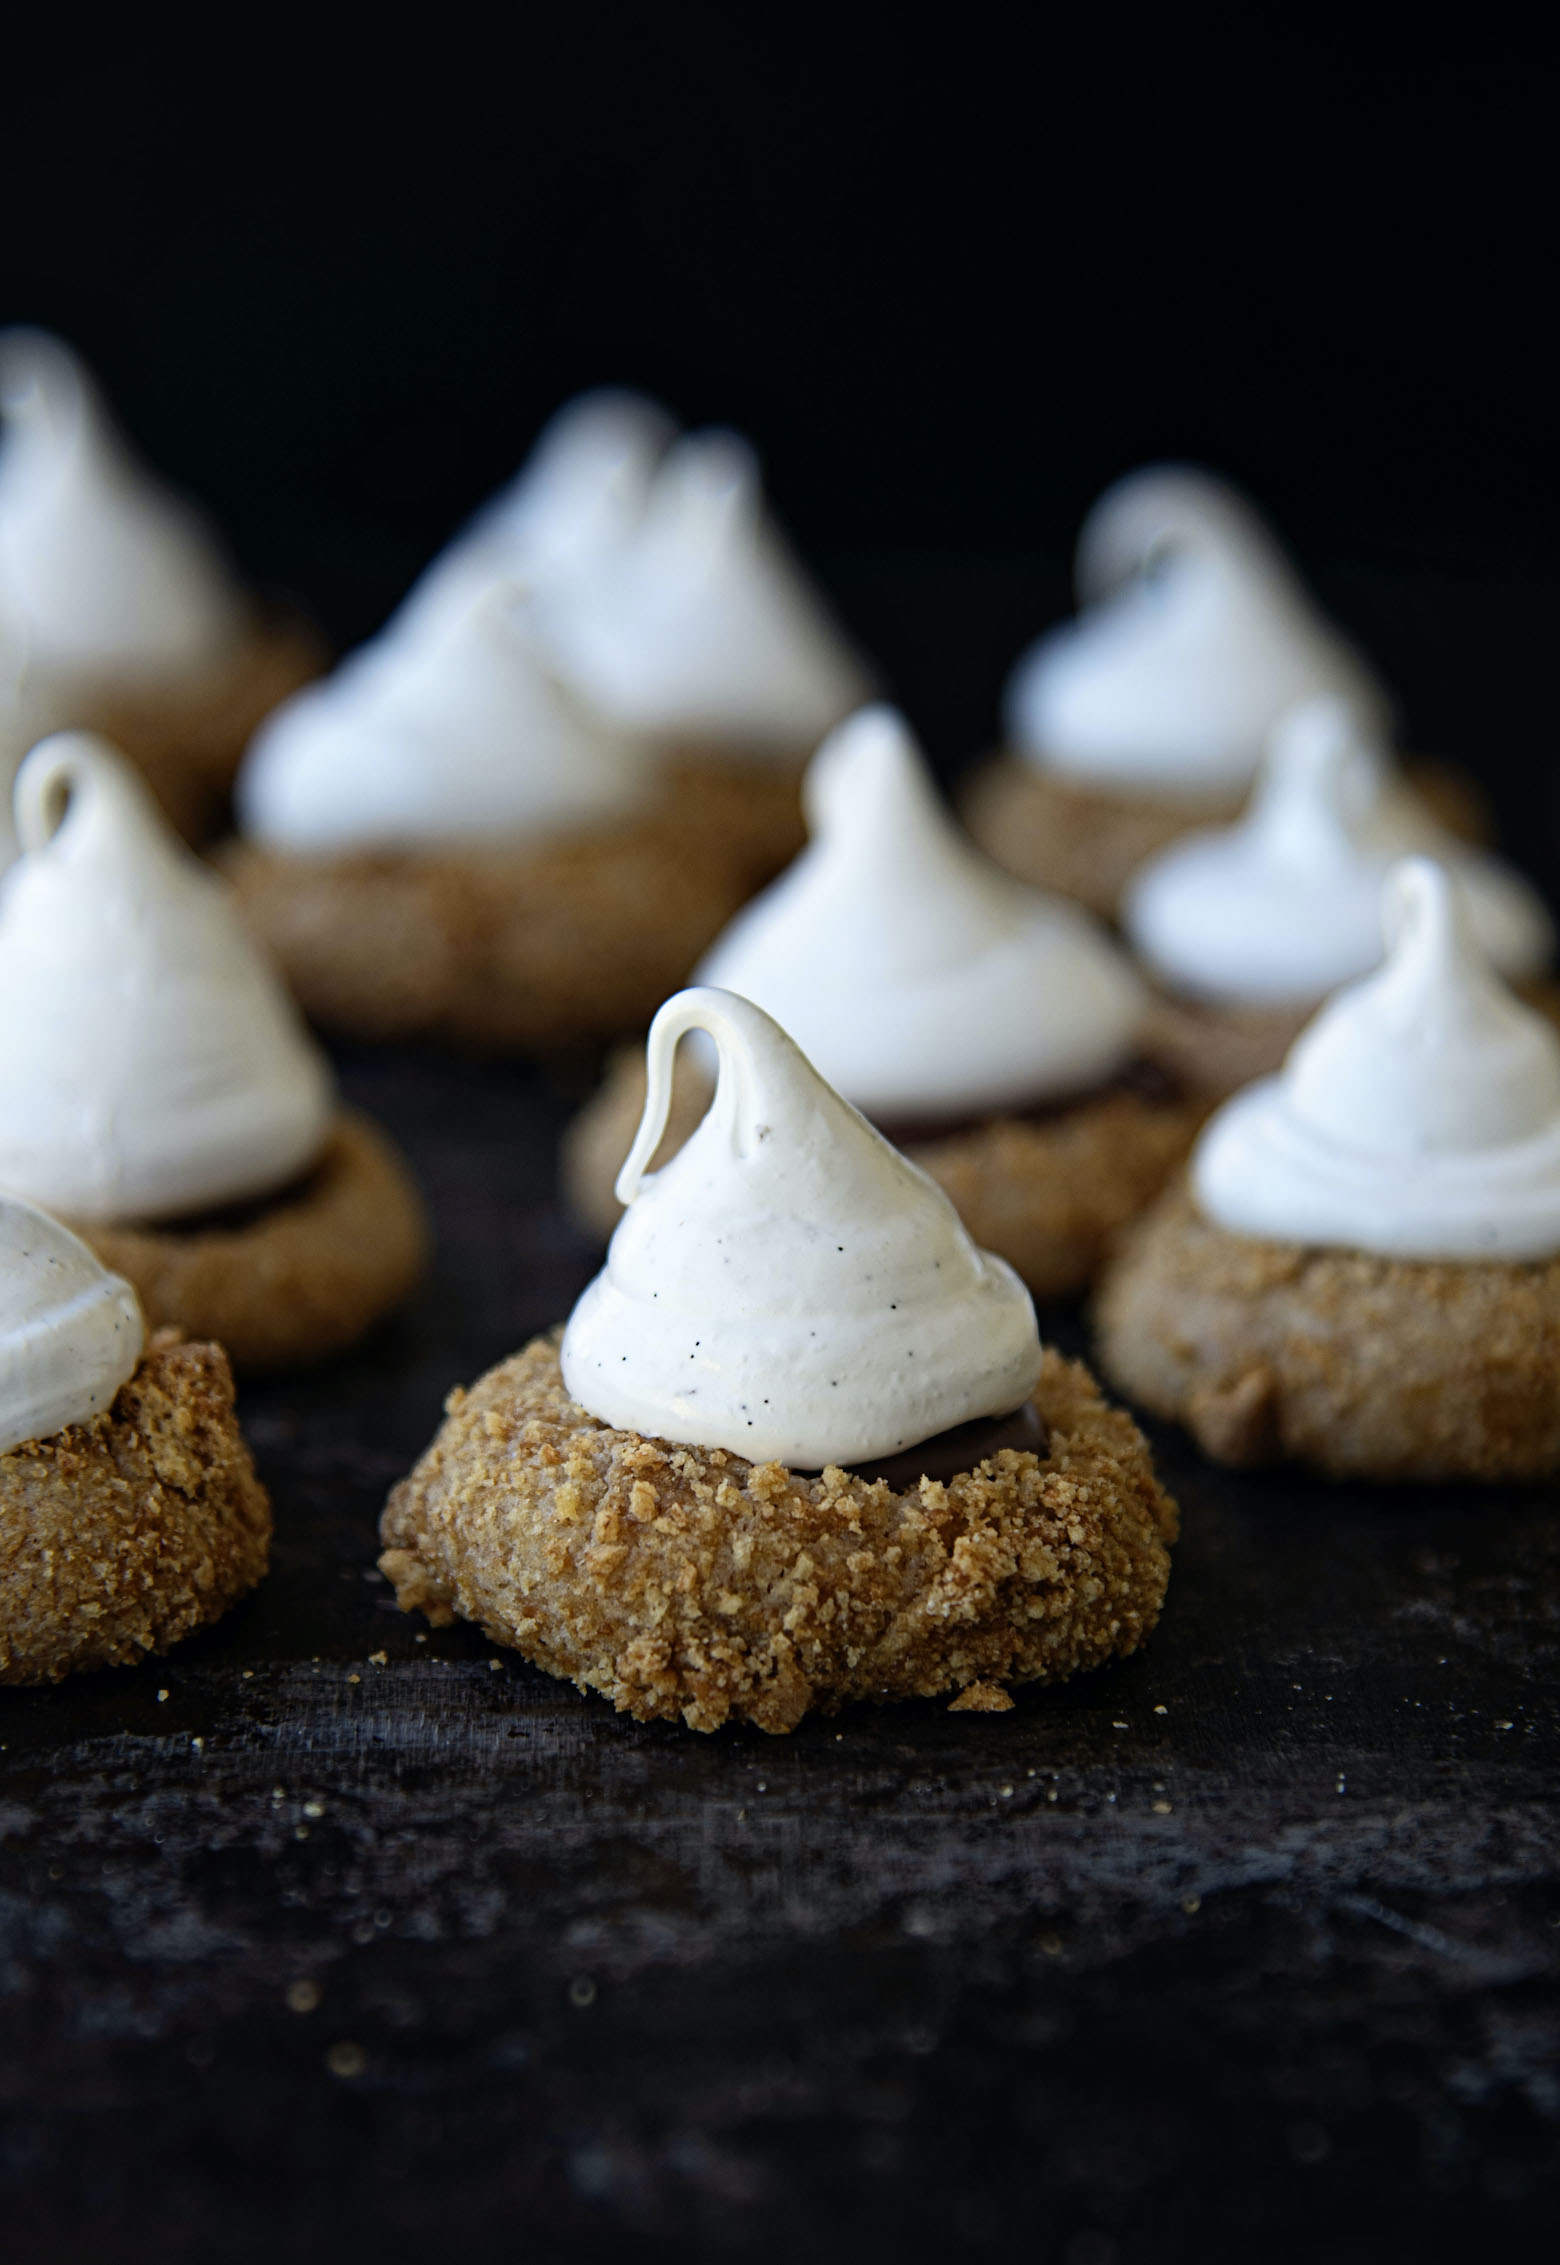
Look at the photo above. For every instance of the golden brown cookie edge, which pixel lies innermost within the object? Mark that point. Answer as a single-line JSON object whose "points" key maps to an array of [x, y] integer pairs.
{"points": [[611, 1560], [119, 1536]]}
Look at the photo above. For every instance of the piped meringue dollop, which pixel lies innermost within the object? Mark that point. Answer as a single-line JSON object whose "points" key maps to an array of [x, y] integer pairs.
{"points": [[788, 1286], [919, 979], [1284, 905], [579, 495], [102, 572], [1418, 1115], [70, 1332], [700, 626], [1195, 635], [154, 1065], [448, 727]]}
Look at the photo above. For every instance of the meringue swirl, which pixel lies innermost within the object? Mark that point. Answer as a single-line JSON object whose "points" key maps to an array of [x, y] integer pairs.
{"points": [[103, 573], [577, 498], [1418, 1115], [70, 1332], [919, 979], [154, 1065], [1284, 905], [789, 1287], [700, 626], [1195, 635], [448, 727]]}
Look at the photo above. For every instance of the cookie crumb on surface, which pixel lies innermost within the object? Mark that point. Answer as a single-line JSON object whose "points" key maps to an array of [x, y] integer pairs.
{"points": [[983, 1698]]}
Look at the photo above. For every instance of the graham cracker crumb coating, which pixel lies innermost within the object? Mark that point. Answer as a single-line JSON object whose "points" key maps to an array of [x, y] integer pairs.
{"points": [[687, 1582], [1050, 1194], [1047, 1194], [1361, 1366], [572, 938], [120, 1535], [1057, 835], [301, 1278]]}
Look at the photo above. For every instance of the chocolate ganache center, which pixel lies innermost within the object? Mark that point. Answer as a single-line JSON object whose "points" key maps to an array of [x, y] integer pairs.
{"points": [[1143, 1079], [947, 1453]]}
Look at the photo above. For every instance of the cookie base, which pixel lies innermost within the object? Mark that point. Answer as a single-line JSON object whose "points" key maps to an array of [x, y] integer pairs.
{"points": [[1214, 1050], [188, 739], [294, 1279], [1046, 1193], [1057, 834], [687, 1582], [1362, 1367], [119, 1536], [744, 812], [575, 938]]}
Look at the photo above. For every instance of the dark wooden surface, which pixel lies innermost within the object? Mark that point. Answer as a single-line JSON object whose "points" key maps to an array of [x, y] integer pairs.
{"points": [[1253, 1939], [1251, 1945]]}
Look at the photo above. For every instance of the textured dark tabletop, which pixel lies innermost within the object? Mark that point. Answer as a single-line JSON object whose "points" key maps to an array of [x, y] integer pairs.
{"points": [[327, 1937]]}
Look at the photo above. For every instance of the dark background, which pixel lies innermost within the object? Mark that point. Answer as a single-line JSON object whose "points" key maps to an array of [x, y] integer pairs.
{"points": [[951, 282], [1251, 1946]]}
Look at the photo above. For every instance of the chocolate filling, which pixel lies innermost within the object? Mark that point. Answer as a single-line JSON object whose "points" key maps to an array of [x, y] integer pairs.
{"points": [[948, 1453], [1142, 1078], [231, 1218]]}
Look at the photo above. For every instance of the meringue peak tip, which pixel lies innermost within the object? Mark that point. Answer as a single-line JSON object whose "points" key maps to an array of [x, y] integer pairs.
{"points": [[1177, 496], [747, 1041], [1318, 763], [34, 364], [1322, 725], [610, 409], [65, 767], [872, 749], [1172, 507], [713, 475], [1423, 906]]}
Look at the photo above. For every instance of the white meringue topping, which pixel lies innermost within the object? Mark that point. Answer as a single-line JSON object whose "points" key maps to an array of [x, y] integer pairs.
{"points": [[154, 1065], [579, 496], [103, 573], [789, 1287], [919, 979], [1195, 635], [446, 728], [70, 1332], [700, 626], [1284, 905], [1418, 1115]]}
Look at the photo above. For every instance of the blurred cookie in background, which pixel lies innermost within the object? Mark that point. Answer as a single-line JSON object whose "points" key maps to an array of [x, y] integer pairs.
{"points": [[119, 609], [1147, 714]]}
